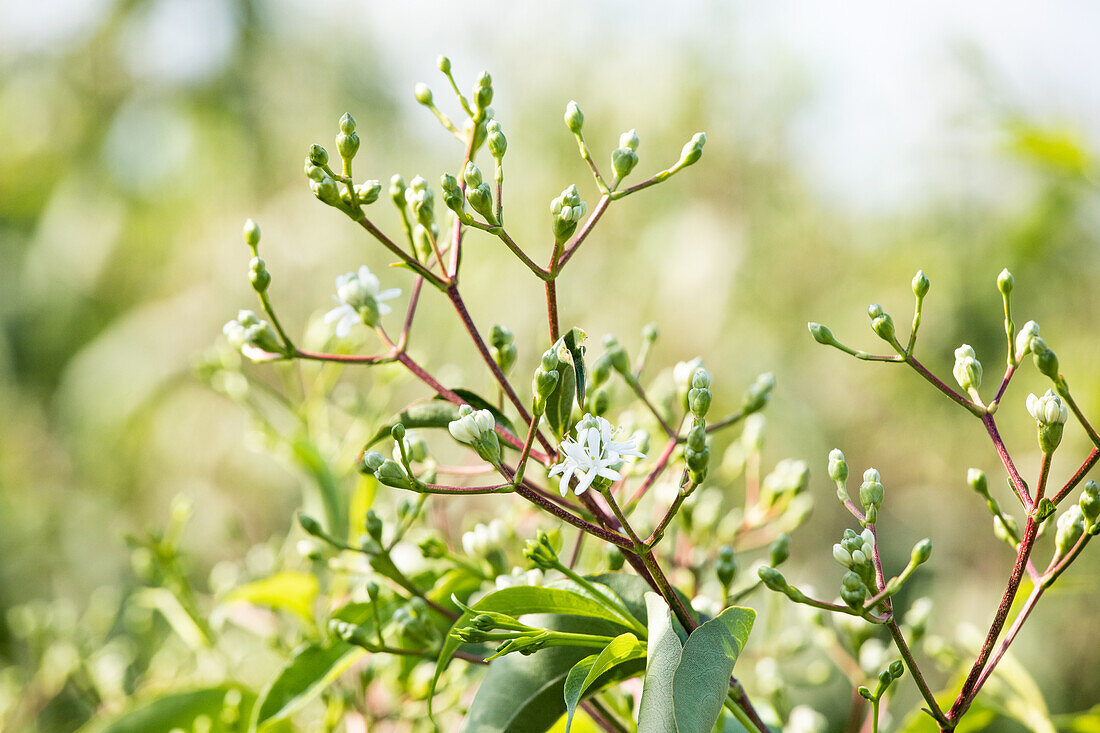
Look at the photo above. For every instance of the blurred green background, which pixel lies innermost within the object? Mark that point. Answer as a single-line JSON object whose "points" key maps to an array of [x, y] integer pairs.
{"points": [[848, 146]]}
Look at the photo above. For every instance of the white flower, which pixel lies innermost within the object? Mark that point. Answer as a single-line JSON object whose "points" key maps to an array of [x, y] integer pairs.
{"points": [[360, 297], [596, 453], [1023, 338], [472, 426], [483, 539], [1048, 409], [519, 576]]}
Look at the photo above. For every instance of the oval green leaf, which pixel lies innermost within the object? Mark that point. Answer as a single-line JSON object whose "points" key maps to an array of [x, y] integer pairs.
{"points": [[655, 714], [312, 669], [701, 680], [623, 648]]}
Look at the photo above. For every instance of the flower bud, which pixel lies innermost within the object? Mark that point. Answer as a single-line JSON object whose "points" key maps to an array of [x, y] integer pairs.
{"points": [[311, 526], [318, 156], [1090, 501], [451, 193], [1050, 415], [699, 402], [629, 139], [601, 401], [369, 461], [477, 429], [841, 555], [373, 525], [567, 209], [258, 275], [502, 347], [1005, 281], [392, 474], [251, 233], [920, 284], [1071, 525], [967, 369], [574, 118], [397, 190], [821, 334], [780, 550], [444, 64], [976, 478], [773, 579], [1045, 359], [756, 396], [1023, 338], [881, 323], [1006, 530], [623, 161], [483, 92], [921, 552], [617, 355], [496, 142], [726, 566], [368, 191], [541, 551], [871, 491], [472, 175], [838, 467], [692, 150], [423, 94], [852, 590]]}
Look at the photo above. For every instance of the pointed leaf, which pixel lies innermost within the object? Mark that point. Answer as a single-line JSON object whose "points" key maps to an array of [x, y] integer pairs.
{"points": [[290, 591], [430, 414], [701, 680], [662, 657], [312, 669], [622, 648]]}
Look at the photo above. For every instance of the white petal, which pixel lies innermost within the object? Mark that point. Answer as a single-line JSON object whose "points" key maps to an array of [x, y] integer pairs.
{"points": [[609, 473], [384, 309], [388, 294], [585, 481]]}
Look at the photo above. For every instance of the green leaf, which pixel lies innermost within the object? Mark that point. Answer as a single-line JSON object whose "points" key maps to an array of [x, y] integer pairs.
{"points": [[430, 414], [290, 591], [701, 680], [1085, 722], [180, 710], [662, 657], [559, 404], [520, 600], [622, 648], [362, 497], [524, 694], [310, 458], [572, 341], [312, 669]]}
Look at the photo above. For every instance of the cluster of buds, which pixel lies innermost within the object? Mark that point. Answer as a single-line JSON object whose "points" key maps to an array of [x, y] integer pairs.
{"points": [[347, 141], [421, 201], [567, 209], [1029, 331], [1090, 506], [886, 678], [838, 472], [502, 346], [697, 450], [478, 430], [855, 550], [478, 193], [881, 323], [496, 142], [386, 470], [967, 370], [483, 94], [699, 396], [545, 381], [625, 157], [1071, 527], [542, 552], [853, 589], [871, 494], [1050, 415], [789, 478], [320, 182], [255, 338]]}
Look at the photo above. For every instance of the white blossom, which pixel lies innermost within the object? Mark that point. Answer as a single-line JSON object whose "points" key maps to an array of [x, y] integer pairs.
{"points": [[1048, 409], [596, 453], [361, 300], [472, 426]]}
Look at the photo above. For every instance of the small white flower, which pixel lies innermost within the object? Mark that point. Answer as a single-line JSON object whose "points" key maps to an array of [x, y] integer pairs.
{"points": [[596, 453], [1048, 409], [361, 300], [472, 426], [1023, 338]]}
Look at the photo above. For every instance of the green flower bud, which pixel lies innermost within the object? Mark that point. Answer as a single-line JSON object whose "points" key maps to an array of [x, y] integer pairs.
{"points": [[423, 94], [483, 92], [1050, 415], [1006, 532], [617, 355], [397, 190], [881, 323], [863, 691], [1045, 359], [699, 402], [967, 370], [251, 233], [1090, 501], [1045, 509], [623, 161], [373, 525], [392, 474], [472, 175], [976, 478], [838, 467], [369, 461], [601, 370], [496, 142], [347, 124], [697, 437], [541, 551], [852, 590], [258, 275], [567, 209], [842, 555], [368, 191], [397, 432], [780, 550], [574, 118], [1071, 526], [756, 396], [502, 347], [921, 552], [773, 579], [311, 526], [451, 192], [650, 332], [601, 401], [420, 198], [326, 191], [433, 548], [444, 64], [821, 334], [1023, 338], [920, 284], [347, 142], [692, 150], [318, 156], [871, 491], [1005, 281], [897, 669], [615, 558], [629, 139]]}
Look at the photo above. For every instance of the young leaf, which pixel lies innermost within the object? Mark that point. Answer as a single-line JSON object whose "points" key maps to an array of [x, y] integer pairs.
{"points": [[622, 648], [290, 591], [431, 414], [312, 669], [701, 680], [662, 657]]}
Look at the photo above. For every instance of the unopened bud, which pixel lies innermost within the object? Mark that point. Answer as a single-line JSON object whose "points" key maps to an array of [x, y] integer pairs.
{"points": [[921, 552], [977, 480], [423, 94], [773, 579], [574, 118], [967, 370], [1071, 525], [780, 550], [1005, 281], [838, 467], [1090, 501], [756, 396], [881, 323], [821, 334], [311, 526], [920, 284], [258, 275], [318, 156], [251, 233]]}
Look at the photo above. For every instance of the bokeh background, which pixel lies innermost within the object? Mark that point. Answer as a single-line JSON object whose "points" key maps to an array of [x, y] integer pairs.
{"points": [[849, 144]]}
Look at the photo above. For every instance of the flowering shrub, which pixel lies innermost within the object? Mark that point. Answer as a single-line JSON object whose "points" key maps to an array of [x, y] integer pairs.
{"points": [[395, 616]]}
